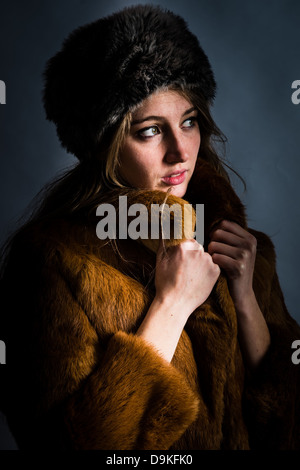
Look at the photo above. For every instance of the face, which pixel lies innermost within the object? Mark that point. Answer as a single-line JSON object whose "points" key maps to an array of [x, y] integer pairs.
{"points": [[161, 148]]}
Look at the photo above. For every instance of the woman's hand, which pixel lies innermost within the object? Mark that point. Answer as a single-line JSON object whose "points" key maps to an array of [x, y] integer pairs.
{"points": [[234, 250], [184, 278], [185, 275]]}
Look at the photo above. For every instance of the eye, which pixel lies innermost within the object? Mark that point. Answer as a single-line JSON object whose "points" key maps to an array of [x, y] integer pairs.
{"points": [[149, 131], [190, 122]]}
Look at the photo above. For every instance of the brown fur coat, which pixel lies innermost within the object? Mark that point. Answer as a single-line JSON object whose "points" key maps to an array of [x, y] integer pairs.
{"points": [[77, 375]]}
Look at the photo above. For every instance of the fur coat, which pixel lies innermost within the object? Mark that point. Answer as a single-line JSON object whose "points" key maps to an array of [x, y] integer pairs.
{"points": [[77, 376]]}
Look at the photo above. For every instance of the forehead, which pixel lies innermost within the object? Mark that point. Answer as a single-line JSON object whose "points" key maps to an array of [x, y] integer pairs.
{"points": [[162, 103]]}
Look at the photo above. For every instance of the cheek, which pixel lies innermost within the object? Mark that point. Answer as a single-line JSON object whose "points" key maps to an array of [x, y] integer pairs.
{"points": [[197, 143], [135, 165], [193, 144]]}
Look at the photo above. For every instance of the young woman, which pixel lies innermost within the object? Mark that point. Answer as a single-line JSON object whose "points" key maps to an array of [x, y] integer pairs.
{"points": [[133, 344]]}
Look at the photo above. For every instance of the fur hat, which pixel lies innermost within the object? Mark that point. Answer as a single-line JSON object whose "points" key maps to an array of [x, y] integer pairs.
{"points": [[107, 67]]}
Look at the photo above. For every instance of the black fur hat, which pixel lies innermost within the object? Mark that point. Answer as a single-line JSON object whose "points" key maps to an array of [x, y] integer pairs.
{"points": [[107, 67]]}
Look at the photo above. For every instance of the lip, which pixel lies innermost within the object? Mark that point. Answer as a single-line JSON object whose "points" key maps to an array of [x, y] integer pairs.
{"points": [[174, 180]]}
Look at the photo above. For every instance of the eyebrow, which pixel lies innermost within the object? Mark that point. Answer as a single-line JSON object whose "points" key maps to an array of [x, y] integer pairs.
{"points": [[160, 118]]}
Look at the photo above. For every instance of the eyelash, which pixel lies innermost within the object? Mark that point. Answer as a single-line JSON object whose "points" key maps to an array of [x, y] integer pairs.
{"points": [[193, 119]]}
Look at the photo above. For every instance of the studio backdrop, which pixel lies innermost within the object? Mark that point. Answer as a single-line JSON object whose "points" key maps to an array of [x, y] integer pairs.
{"points": [[254, 49]]}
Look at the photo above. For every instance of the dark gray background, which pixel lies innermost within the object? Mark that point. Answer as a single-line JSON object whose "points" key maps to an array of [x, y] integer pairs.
{"points": [[254, 49]]}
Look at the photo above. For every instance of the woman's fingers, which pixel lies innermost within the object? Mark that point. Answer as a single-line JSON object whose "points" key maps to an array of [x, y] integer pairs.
{"points": [[192, 244], [235, 268], [234, 250], [232, 227], [223, 237], [223, 249], [186, 275]]}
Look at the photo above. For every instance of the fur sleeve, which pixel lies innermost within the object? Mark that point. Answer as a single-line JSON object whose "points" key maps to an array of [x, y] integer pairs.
{"points": [[76, 390], [272, 394], [134, 400]]}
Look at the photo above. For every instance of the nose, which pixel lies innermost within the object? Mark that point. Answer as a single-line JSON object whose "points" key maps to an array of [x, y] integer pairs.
{"points": [[176, 150]]}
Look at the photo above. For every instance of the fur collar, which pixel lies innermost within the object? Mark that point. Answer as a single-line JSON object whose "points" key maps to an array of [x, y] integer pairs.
{"points": [[206, 187]]}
